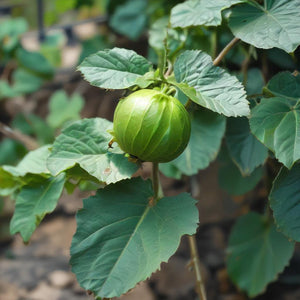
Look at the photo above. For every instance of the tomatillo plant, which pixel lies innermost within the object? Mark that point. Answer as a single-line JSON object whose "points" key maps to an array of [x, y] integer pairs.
{"points": [[176, 116]]}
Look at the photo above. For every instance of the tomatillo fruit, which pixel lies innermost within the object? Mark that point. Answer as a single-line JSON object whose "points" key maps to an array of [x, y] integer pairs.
{"points": [[151, 126]]}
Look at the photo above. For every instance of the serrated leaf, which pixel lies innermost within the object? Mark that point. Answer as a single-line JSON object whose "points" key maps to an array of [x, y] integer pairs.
{"points": [[114, 68], [63, 109], [275, 122], [285, 202], [113, 250], [130, 18], [285, 84], [207, 131], [231, 179], [245, 150], [277, 24], [85, 142], [200, 12], [33, 203], [215, 88], [257, 253]]}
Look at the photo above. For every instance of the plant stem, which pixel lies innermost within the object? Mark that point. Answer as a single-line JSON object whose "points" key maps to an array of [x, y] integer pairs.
{"points": [[200, 288], [195, 260], [28, 142], [155, 182], [222, 54], [244, 69]]}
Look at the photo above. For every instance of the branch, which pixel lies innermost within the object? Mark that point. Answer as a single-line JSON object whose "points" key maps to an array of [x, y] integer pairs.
{"points": [[28, 142], [222, 54]]}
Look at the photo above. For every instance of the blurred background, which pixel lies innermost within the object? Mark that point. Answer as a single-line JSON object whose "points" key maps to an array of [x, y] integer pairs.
{"points": [[41, 44]]}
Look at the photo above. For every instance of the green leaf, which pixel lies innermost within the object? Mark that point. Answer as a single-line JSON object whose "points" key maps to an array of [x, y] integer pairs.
{"points": [[200, 12], [93, 45], [275, 122], [257, 253], [231, 179], [245, 150], [63, 109], [207, 132], [31, 168], [130, 18], [285, 201], [255, 81], [8, 183], [158, 33], [32, 124], [282, 59], [114, 69], [285, 84], [275, 25], [85, 142], [215, 88], [10, 32], [114, 249], [7, 91], [35, 63], [33, 203], [187, 90], [51, 48], [11, 151], [33, 163], [13, 26], [170, 170], [25, 82]]}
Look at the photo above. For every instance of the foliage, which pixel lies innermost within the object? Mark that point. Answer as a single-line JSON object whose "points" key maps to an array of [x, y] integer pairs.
{"points": [[129, 227], [250, 264], [136, 232]]}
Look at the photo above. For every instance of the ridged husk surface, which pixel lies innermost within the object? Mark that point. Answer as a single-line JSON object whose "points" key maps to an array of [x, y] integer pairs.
{"points": [[152, 126]]}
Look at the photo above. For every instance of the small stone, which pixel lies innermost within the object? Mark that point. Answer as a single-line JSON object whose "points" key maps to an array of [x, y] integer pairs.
{"points": [[44, 292], [61, 279]]}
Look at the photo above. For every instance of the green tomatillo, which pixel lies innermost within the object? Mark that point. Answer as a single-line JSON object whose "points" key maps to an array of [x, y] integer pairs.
{"points": [[151, 125]]}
